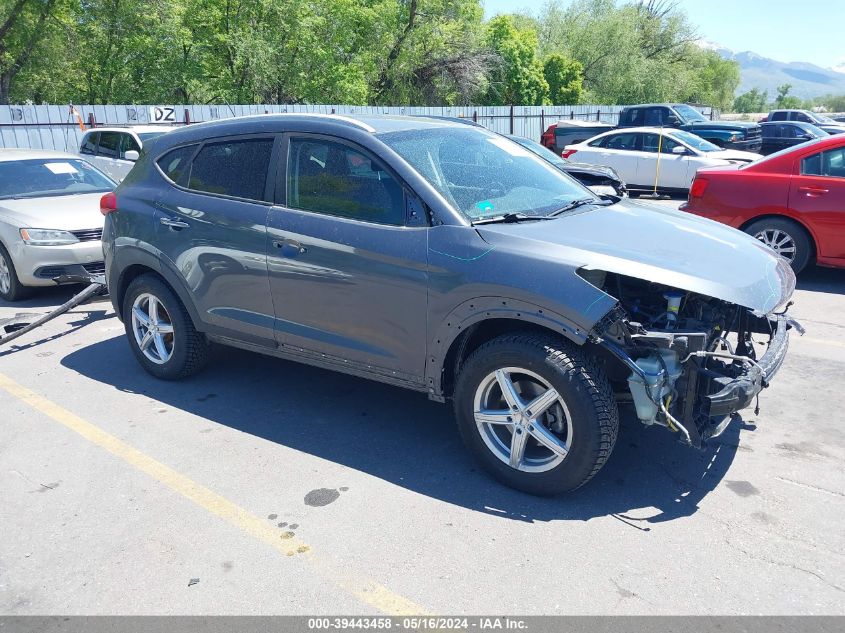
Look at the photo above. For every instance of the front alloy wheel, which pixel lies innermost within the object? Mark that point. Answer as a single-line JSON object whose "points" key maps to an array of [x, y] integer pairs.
{"points": [[522, 419], [10, 287], [536, 411]]}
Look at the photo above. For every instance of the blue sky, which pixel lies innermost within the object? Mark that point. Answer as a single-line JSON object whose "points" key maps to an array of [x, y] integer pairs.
{"points": [[786, 30]]}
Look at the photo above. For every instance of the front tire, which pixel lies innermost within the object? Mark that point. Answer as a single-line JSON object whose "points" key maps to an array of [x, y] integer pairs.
{"points": [[160, 331], [536, 412], [11, 288], [786, 238]]}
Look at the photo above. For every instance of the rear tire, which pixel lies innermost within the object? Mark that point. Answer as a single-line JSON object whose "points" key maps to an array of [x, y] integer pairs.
{"points": [[160, 330], [11, 288], [569, 436], [787, 238]]}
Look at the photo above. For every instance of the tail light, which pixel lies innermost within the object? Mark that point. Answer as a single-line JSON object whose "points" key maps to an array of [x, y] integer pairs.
{"points": [[698, 188], [108, 203], [567, 153]]}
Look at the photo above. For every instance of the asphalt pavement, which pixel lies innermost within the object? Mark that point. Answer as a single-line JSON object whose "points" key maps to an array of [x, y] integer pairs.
{"points": [[265, 487]]}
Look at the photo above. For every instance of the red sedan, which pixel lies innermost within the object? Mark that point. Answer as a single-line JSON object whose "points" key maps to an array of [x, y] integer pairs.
{"points": [[793, 201]]}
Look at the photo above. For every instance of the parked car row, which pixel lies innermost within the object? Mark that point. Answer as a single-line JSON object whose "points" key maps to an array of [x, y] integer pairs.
{"points": [[649, 157], [739, 135]]}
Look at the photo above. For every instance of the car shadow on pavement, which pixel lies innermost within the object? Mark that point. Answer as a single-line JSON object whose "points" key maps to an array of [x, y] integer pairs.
{"points": [[818, 279], [402, 437]]}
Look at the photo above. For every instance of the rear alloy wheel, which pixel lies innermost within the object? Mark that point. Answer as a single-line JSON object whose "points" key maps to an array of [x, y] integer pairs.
{"points": [[160, 331], [11, 288], [537, 413], [785, 238]]}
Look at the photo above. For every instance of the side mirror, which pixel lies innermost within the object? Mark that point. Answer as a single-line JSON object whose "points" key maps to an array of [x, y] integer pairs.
{"points": [[807, 137], [132, 155], [679, 149]]}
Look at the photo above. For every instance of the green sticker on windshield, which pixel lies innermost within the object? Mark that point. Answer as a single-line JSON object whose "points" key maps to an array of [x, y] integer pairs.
{"points": [[485, 206]]}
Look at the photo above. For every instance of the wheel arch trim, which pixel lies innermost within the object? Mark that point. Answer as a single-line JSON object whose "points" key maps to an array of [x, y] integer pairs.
{"points": [[452, 329], [127, 257]]}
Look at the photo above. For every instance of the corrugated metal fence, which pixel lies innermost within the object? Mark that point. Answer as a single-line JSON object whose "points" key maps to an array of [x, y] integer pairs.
{"points": [[53, 126]]}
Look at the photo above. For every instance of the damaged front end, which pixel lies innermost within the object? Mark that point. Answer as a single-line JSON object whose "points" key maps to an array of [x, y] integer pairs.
{"points": [[688, 362]]}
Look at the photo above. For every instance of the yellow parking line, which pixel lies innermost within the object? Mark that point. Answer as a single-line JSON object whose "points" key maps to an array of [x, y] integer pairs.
{"points": [[364, 589]]}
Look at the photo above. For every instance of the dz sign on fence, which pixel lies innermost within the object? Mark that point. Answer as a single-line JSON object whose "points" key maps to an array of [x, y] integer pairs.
{"points": [[162, 114]]}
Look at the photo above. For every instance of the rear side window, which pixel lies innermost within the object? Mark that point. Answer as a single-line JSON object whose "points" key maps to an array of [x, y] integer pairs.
{"points": [[109, 144], [830, 163], [174, 163], [335, 179], [232, 168], [626, 141], [778, 116], [635, 117], [89, 144]]}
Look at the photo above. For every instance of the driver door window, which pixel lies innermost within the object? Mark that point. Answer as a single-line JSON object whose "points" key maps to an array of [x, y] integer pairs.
{"points": [[335, 179]]}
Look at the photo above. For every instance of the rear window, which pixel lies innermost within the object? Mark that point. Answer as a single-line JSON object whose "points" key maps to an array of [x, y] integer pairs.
{"points": [[174, 163], [232, 168]]}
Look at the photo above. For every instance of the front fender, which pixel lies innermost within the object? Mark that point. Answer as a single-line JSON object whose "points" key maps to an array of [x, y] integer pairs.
{"points": [[479, 309]]}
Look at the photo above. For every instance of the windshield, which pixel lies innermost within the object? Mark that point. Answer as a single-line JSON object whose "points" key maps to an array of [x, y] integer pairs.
{"points": [[815, 131], [543, 152], [482, 174], [820, 118], [37, 178], [689, 113], [696, 142]]}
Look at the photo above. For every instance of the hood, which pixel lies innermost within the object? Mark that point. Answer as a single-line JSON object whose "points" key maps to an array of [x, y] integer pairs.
{"points": [[655, 244], [69, 213], [728, 125], [734, 154]]}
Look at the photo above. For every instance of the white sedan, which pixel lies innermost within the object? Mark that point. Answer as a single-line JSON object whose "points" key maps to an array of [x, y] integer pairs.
{"points": [[633, 153], [50, 220]]}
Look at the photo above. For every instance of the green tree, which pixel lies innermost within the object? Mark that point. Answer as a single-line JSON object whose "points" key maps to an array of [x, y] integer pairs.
{"points": [[517, 78], [754, 100], [786, 101], [565, 79], [23, 26]]}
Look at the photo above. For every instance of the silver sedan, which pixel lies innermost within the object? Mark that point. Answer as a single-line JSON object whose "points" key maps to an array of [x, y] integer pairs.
{"points": [[50, 221]]}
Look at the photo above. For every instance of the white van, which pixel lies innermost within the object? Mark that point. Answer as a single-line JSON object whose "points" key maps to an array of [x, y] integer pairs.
{"points": [[115, 149]]}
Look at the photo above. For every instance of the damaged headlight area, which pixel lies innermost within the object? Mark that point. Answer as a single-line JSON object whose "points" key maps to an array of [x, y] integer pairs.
{"points": [[686, 361]]}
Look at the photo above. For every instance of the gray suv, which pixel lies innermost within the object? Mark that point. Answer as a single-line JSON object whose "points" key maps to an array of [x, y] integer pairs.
{"points": [[449, 260]]}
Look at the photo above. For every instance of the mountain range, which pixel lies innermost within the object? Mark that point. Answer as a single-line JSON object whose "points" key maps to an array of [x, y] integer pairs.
{"points": [[756, 71]]}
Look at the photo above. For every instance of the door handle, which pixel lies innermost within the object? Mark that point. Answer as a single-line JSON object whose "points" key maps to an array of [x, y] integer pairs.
{"points": [[174, 224], [290, 248], [813, 191]]}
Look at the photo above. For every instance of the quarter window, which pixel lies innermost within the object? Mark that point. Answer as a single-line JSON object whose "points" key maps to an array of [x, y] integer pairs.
{"points": [[830, 163], [174, 163], [232, 168], [335, 179]]}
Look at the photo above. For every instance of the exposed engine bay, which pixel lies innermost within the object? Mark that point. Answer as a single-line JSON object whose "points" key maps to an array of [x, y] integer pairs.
{"points": [[688, 362]]}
